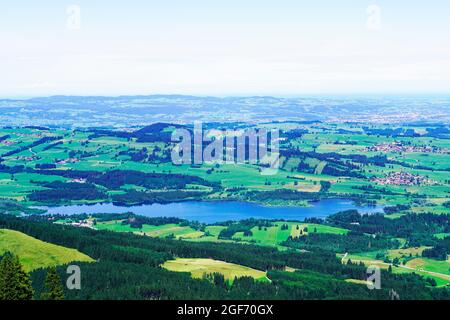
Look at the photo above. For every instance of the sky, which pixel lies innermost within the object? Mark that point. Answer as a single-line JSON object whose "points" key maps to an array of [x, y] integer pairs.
{"points": [[223, 48]]}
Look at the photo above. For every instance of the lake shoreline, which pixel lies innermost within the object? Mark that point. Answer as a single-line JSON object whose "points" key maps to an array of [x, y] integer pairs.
{"points": [[215, 211]]}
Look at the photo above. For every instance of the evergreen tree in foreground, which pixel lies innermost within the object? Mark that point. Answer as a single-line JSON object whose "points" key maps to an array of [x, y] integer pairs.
{"points": [[15, 284], [53, 286]]}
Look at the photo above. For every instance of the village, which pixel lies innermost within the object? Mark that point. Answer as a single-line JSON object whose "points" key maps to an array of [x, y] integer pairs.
{"points": [[87, 223], [403, 179], [398, 146]]}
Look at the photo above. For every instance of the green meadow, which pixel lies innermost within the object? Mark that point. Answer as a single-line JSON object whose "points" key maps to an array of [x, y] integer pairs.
{"points": [[198, 268], [275, 235], [152, 231], [270, 236], [35, 254], [428, 268]]}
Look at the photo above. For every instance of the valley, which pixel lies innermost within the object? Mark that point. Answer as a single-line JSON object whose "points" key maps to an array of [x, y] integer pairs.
{"points": [[346, 196]]}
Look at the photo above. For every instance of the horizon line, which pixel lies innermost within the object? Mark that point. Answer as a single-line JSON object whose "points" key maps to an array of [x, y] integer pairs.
{"points": [[280, 96]]}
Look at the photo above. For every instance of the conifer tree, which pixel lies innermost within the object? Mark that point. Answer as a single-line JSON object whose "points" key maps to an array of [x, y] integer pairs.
{"points": [[15, 283], [53, 287]]}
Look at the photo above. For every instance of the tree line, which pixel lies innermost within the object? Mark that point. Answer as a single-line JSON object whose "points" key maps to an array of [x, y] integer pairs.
{"points": [[128, 267]]}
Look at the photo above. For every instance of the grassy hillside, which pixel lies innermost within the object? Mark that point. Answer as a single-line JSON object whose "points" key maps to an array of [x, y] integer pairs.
{"points": [[437, 270], [199, 267], [176, 230], [271, 236], [34, 254], [274, 236]]}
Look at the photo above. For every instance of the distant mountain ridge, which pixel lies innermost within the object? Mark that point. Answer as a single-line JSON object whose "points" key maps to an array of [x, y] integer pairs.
{"points": [[140, 110]]}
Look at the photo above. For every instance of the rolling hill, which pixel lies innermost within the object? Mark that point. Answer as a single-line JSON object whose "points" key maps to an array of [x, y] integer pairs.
{"points": [[34, 253]]}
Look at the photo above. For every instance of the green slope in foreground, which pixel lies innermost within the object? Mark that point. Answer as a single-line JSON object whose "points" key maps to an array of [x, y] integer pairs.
{"points": [[199, 267], [34, 253]]}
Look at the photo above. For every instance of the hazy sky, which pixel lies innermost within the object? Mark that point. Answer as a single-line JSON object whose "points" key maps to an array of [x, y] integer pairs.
{"points": [[229, 47]]}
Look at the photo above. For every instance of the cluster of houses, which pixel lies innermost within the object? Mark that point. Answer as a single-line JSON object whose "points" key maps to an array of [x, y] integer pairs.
{"points": [[397, 146], [24, 158], [7, 142], [83, 224], [66, 161], [29, 135], [403, 179], [78, 180]]}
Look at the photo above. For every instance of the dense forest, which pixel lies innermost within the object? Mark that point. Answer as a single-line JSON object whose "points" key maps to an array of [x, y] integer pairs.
{"points": [[351, 243], [128, 267], [417, 229]]}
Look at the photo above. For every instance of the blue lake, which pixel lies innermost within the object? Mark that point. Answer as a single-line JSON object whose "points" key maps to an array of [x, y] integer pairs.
{"points": [[211, 212]]}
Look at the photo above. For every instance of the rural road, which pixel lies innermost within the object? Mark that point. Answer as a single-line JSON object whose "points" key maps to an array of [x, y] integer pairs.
{"points": [[34, 153], [440, 275]]}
